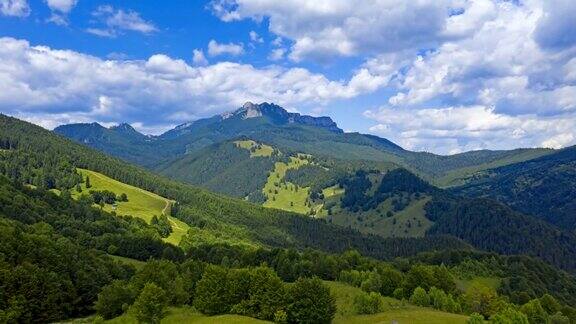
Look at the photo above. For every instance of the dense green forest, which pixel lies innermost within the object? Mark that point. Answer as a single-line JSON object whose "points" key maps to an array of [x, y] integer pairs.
{"points": [[214, 218], [543, 187], [485, 224], [59, 255]]}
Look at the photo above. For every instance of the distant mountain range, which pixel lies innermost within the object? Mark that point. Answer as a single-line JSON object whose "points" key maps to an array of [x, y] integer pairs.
{"points": [[289, 132]]}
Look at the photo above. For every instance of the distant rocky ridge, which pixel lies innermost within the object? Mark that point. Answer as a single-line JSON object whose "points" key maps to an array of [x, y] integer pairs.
{"points": [[280, 116]]}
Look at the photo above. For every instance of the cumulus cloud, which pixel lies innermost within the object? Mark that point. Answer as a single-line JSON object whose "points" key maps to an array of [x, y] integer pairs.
{"points": [[255, 38], [216, 49], [63, 85], [455, 129], [113, 22], [63, 6], [15, 8], [556, 28], [277, 54], [324, 28], [60, 10], [501, 65], [198, 57]]}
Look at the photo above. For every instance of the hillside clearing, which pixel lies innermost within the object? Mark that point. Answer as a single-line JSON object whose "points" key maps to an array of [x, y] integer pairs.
{"points": [[256, 149], [408, 222], [393, 310], [286, 195], [141, 203]]}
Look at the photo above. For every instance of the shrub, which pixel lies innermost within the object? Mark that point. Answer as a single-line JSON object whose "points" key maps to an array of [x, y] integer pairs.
{"points": [[368, 303], [420, 297]]}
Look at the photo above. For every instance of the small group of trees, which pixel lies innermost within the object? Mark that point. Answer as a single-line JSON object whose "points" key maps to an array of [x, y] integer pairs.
{"points": [[162, 224], [260, 293], [107, 197], [257, 292]]}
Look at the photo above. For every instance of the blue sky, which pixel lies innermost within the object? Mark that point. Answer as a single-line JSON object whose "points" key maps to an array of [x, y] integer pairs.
{"points": [[437, 75]]}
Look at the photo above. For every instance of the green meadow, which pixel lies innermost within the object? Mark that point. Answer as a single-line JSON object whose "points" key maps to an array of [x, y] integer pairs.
{"points": [[408, 222], [392, 310], [286, 195], [255, 149], [141, 203]]}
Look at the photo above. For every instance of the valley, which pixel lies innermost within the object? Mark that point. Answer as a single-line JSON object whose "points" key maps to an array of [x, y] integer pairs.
{"points": [[386, 242]]}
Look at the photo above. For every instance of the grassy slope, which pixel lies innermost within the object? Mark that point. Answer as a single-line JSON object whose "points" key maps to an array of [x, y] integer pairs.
{"points": [[289, 197], [492, 282], [260, 149], [177, 315], [409, 222], [459, 176], [394, 310], [141, 203], [137, 264]]}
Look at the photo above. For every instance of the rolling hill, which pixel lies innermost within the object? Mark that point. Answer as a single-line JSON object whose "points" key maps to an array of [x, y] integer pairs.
{"points": [[288, 132], [55, 251], [399, 204], [544, 187], [39, 157]]}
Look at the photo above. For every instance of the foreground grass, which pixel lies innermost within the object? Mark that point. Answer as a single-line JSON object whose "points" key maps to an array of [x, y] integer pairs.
{"points": [[141, 203], [190, 315], [393, 310]]}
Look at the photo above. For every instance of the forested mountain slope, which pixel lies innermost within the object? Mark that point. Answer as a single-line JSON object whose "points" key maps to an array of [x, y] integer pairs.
{"points": [[374, 202], [543, 187], [38, 157], [218, 268], [290, 133]]}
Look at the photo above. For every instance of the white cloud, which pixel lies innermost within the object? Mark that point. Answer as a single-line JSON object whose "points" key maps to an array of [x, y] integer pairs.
{"points": [[501, 65], [63, 6], [455, 129], [556, 28], [115, 21], [255, 38], [198, 57], [215, 49], [16, 8], [61, 85], [277, 54], [326, 28], [60, 10]]}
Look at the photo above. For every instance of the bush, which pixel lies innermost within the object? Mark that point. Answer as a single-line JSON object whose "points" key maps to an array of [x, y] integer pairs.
{"points": [[420, 297], [535, 312], [368, 303], [280, 316], [398, 293], [509, 316], [475, 318]]}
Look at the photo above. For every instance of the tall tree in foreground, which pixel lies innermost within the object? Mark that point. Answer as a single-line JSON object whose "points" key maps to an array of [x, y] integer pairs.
{"points": [[311, 302], [150, 305]]}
